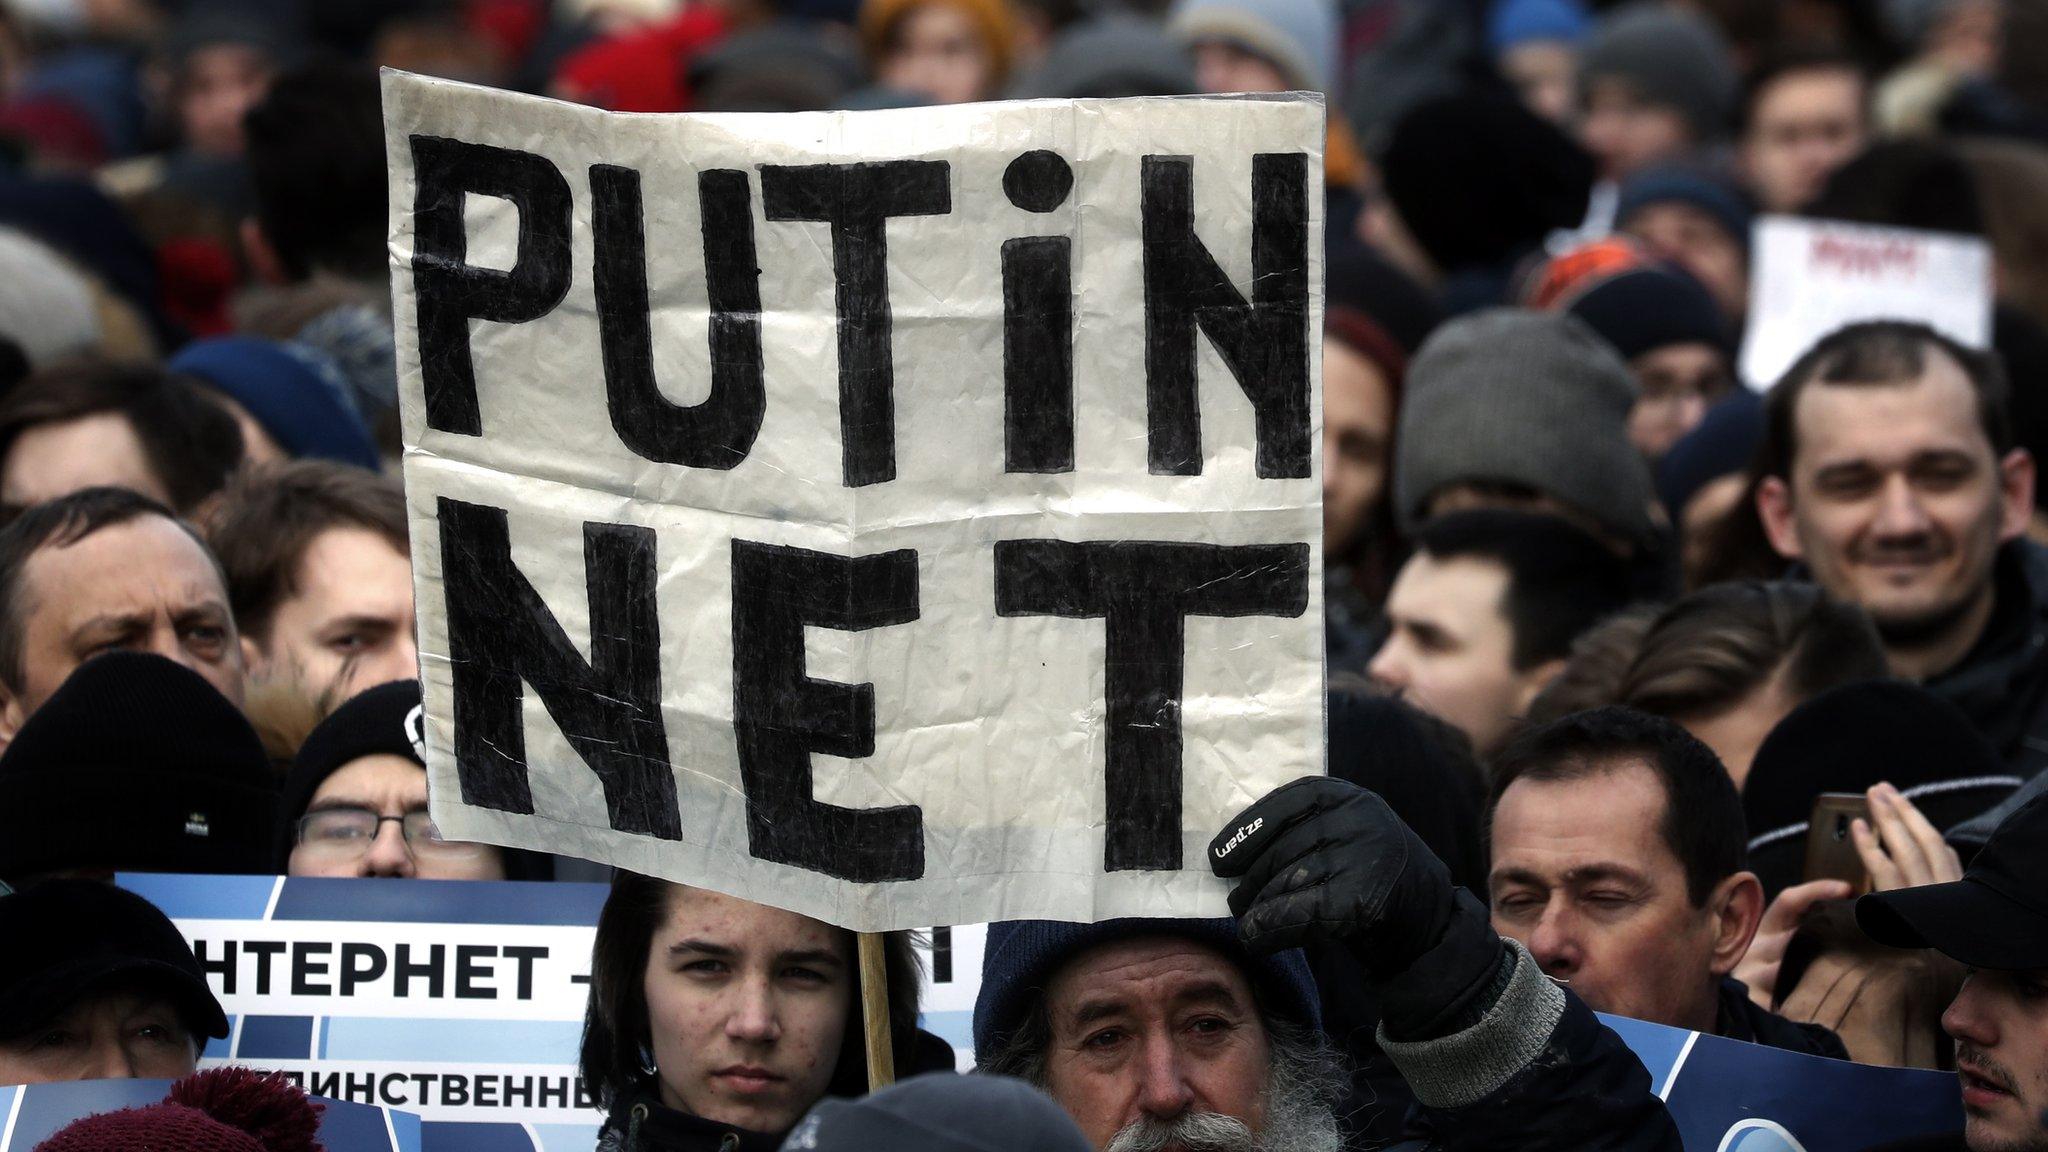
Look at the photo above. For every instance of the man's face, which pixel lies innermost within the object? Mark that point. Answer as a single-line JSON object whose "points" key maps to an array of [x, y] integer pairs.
{"points": [[2000, 1024], [62, 457], [1358, 428], [1805, 125], [1677, 384], [353, 602], [1152, 1030], [110, 1035], [1696, 241], [1450, 651], [144, 585], [338, 836], [746, 1005], [1582, 877], [1897, 502], [1627, 132]]}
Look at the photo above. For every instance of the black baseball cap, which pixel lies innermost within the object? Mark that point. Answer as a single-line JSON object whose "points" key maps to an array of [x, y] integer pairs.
{"points": [[1995, 917], [67, 938]]}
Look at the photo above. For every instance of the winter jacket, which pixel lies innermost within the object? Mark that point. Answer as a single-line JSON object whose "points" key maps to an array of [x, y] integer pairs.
{"points": [[1538, 1073], [639, 1122], [2002, 684]]}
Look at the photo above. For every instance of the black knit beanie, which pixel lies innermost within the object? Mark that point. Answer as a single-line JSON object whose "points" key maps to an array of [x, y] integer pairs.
{"points": [[136, 763], [385, 720], [1851, 738]]}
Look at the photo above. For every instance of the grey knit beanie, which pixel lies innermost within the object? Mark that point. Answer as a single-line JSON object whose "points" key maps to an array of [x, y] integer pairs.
{"points": [[1671, 57], [1531, 398], [1298, 36]]}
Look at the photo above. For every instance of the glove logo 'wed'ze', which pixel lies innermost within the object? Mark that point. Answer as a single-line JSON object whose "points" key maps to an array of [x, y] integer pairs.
{"points": [[1231, 845]]}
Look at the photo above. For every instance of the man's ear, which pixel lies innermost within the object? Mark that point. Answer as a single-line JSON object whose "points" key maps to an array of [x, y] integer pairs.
{"points": [[2016, 489], [263, 259], [1534, 681], [1737, 906], [1774, 508], [12, 715]]}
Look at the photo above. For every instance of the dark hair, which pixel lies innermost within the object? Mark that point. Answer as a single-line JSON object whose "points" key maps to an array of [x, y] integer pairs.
{"points": [[1561, 581], [190, 442], [1904, 184], [1877, 352], [1709, 838], [1598, 662], [268, 517], [316, 165], [1791, 60], [1710, 650], [616, 1039], [61, 523]]}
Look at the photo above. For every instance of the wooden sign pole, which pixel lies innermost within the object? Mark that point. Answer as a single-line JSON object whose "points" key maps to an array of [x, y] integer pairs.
{"points": [[874, 1010]]}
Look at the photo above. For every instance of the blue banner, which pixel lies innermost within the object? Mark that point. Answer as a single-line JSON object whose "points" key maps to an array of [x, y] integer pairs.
{"points": [[460, 1002], [1728, 1096]]}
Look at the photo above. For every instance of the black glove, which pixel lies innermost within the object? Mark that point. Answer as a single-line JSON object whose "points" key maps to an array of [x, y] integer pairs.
{"points": [[1325, 861]]}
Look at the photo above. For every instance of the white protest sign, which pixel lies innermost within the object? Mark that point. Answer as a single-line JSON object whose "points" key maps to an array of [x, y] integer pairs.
{"points": [[1810, 277], [904, 518]]}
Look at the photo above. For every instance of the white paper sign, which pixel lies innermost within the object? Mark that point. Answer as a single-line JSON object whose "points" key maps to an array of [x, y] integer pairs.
{"points": [[1810, 277], [900, 517]]}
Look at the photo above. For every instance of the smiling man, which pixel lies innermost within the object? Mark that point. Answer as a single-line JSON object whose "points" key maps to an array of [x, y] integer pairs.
{"points": [[1889, 471], [1993, 922]]}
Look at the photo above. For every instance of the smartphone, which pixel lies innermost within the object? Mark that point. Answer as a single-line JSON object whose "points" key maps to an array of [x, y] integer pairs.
{"points": [[1830, 851]]}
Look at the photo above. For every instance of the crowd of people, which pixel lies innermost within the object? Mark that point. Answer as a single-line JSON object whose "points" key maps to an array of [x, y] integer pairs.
{"points": [[1605, 621]]}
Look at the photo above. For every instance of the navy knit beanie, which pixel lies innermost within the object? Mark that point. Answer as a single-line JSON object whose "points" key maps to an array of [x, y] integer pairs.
{"points": [[1022, 956], [1651, 307], [298, 394]]}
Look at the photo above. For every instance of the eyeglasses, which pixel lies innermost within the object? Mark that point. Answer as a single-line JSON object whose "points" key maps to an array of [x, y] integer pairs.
{"points": [[351, 831]]}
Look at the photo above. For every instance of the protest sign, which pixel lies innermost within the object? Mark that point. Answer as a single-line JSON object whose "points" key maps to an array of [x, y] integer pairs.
{"points": [[29, 1115], [460, 1002], [1810, 277], [899, 517]]}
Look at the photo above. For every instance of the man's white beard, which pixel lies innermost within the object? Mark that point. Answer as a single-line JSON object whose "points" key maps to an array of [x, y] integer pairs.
{"points": [[1298, 1119], [1190, 1131]]}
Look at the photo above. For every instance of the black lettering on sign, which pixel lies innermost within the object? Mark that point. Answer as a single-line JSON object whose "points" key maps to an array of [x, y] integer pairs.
{"points": [[1038, 354], [781, 715], [1264, 342], [449, 291], [500, 634], [719, 431], [1038, 324], [858, 201], [1144, 591]]}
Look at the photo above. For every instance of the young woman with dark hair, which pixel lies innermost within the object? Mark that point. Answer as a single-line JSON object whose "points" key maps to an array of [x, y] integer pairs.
{"points": [[715, 1023]]}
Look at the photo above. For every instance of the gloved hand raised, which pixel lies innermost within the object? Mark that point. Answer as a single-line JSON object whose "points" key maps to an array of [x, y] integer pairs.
{"points": [[1321, 860]]}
